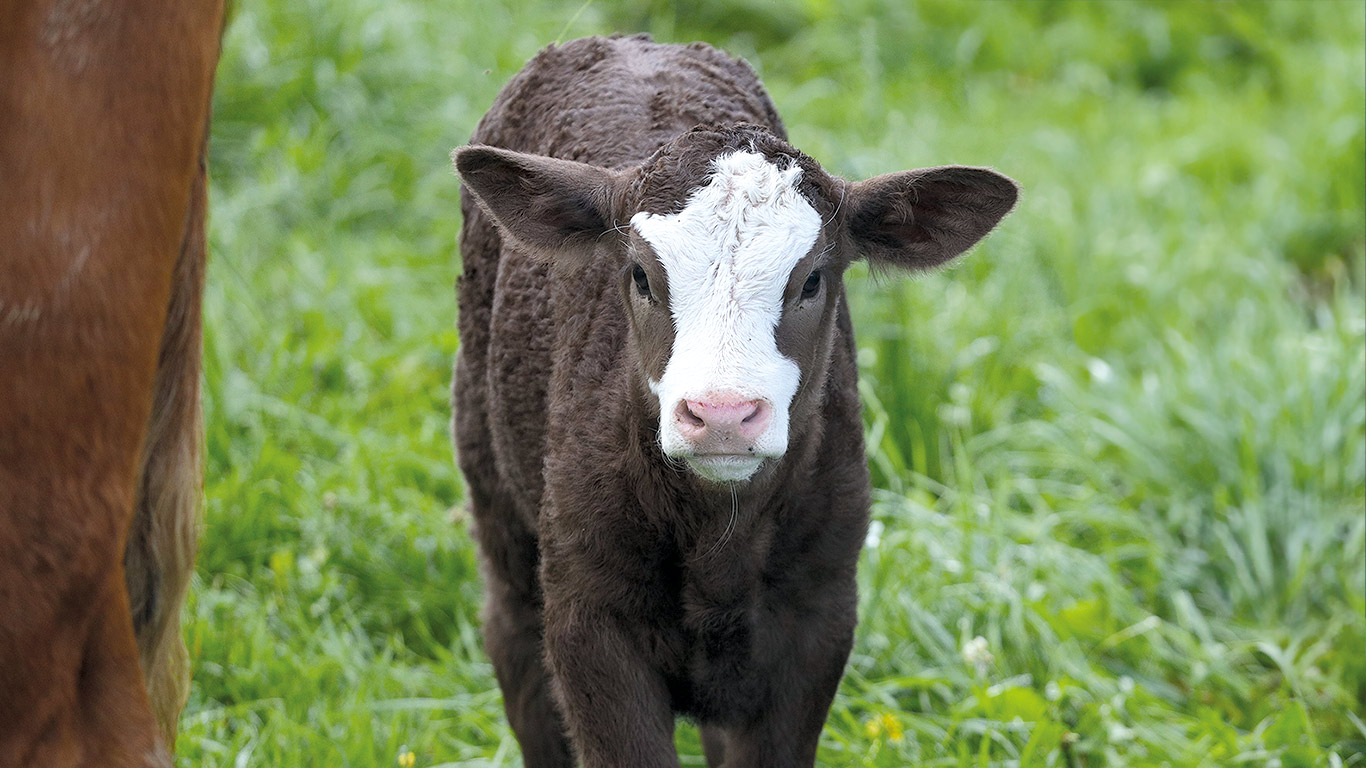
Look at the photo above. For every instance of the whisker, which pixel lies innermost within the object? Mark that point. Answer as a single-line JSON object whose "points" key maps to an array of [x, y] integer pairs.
{"points": [[730, 524], [838, 205], [614, 228]]}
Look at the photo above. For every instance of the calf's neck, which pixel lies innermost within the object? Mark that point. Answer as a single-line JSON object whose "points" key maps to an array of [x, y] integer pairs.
{"points": [[656, 405]]}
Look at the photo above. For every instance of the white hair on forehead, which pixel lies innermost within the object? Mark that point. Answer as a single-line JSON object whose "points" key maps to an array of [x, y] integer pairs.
{"points": [[748, 223], [728, 255], [754, 179]]}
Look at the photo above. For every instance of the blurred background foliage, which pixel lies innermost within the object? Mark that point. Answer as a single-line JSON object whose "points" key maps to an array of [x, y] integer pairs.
{"points": [[1123, 443]]}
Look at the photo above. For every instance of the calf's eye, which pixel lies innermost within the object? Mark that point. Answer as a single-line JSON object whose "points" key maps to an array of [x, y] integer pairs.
{"points": [[642, 282], [812, 284]]}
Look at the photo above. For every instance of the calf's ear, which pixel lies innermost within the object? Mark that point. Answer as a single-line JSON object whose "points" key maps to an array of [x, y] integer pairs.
{"points": [[556, 208], [921, 219]]}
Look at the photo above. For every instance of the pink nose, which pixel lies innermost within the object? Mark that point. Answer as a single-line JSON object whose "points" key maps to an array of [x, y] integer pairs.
{"points": [[722, 423]]}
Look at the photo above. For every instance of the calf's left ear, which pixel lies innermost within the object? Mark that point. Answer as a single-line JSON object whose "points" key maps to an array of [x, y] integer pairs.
{"points": [[921, 219]]}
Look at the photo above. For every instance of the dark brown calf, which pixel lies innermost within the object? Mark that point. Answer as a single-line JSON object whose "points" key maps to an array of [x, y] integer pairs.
{"points": [[656, 405], [104, 110]]}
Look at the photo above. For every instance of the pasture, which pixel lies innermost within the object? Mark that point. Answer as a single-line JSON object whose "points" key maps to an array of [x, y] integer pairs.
{"points": [[1120, 450]]}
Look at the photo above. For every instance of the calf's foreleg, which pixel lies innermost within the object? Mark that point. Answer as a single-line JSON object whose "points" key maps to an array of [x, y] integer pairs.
{"points": [[616, 706]]}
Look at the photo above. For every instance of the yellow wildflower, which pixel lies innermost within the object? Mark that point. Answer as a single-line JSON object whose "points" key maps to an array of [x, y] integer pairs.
{"points": [[886, 725], [892, 727]]}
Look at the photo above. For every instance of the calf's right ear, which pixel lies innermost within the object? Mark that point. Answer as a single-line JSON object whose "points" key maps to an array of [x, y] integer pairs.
{"points": [[555, 208]]}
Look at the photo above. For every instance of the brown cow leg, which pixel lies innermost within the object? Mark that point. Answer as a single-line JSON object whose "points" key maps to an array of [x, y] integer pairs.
{"points": [[513, 632], [70, 692], [108, 672], [164, 537], [713, 745], [507, 547], [105, 115], [788, 733]]}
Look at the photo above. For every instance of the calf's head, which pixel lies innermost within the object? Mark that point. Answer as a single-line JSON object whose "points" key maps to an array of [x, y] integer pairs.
{"points": [[730, 247]]}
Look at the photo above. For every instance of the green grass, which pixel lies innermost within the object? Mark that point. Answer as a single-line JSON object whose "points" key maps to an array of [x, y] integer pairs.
{"points": [[1124, 442]]}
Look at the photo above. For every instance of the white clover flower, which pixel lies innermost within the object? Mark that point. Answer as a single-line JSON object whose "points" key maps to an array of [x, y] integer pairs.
{"points": [[1120, 732], [977, 654], [1100, 370], [875, 529]]}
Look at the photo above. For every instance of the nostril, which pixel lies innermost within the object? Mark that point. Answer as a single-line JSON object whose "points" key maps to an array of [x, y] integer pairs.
{"points": [[756, 421], [685, 415]]}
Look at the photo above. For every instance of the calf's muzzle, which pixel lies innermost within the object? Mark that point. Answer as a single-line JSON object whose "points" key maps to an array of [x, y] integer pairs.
{"points": [[722, 424]]}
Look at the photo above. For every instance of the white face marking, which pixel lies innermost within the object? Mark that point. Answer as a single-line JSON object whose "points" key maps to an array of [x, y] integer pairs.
{"points": [[728, 255]]}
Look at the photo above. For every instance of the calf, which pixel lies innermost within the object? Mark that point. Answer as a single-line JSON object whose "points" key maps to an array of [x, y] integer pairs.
{"points": [[656, 406], [104, 111]]}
